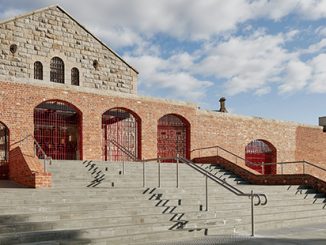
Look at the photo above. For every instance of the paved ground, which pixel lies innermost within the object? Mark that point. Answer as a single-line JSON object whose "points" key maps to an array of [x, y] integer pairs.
{"points": [[312, 234]]}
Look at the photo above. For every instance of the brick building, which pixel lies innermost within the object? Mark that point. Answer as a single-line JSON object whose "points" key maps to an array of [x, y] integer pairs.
{"points": [[64, 87]]}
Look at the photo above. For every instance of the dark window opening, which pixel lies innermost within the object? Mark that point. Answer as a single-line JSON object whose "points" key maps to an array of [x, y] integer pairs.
{"points": [[57, 69], [38, 70], [75, 76]]}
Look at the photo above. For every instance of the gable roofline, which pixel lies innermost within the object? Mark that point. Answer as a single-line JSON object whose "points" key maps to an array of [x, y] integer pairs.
{"points": [[72, 18]]}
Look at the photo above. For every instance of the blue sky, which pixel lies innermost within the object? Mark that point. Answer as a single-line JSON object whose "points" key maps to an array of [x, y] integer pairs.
{"points": [[268, 58]]}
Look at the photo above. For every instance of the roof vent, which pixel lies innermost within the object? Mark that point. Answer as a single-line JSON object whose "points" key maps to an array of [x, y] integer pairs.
{"points": [[222, 105]]}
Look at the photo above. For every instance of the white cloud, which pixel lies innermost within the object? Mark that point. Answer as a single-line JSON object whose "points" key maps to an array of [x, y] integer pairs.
{"points": [[296, 78], [247, 63], [312, 9], [318, 64], [321, 31], [157, 73], [315, 47]]}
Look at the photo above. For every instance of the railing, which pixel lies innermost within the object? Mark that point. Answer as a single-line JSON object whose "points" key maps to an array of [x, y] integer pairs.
{"points": [[221, 152], [292, 167], [37, 150], [208, 175], [123, 149]]}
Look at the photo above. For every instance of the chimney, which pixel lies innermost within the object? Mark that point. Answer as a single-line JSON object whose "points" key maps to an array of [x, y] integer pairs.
{"points": [[222, 105]]}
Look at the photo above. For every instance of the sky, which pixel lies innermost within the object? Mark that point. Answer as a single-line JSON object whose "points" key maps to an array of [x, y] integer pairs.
{"points": [[268, 58]]}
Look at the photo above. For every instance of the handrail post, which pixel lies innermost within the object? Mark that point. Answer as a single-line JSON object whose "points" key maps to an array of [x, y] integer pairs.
{"points": [[177, 171], [303, 167], [262, 168], [44, 162], [282, 168], [252, 214], [206, 192], [144, 177], [216, 151], [159, 171], [35, 150]]}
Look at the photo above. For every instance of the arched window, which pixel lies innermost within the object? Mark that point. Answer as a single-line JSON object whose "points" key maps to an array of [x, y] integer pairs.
{"points": [[38, 70], [75, 76], [57, 70]]}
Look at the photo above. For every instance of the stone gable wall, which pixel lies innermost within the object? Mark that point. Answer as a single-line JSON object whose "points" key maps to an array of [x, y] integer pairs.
{"points": [[45, 34]]}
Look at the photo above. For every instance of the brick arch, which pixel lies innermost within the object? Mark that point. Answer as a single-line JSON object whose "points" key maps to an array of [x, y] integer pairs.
{"points": [[173, 136], [58, 129], [261, 151], [4, 150], [121, 134]]}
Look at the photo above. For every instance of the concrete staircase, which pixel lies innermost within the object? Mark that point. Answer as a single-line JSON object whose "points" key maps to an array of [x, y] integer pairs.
{"points": [[94, 202]]}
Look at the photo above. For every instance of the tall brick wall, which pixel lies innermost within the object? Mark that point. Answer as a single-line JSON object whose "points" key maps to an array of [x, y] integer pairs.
{"points": [[47, 33], [232, 132]]}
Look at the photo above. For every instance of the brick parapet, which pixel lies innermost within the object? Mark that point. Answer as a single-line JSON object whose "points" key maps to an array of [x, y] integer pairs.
{"points": [[26, 169]]}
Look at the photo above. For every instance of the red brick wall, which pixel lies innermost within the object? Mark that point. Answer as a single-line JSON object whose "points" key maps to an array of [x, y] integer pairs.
{"points": [[26, 169], [311, 145], [18, 101]]}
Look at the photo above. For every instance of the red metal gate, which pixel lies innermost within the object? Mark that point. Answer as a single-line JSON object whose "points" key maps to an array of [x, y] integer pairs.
{"points": [[121, 132], [57, 128], [4, 151], [259, 151], [172, 137]]}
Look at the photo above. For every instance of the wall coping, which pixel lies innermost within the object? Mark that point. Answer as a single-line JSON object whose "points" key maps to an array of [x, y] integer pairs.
{"points": [[250, 118]]}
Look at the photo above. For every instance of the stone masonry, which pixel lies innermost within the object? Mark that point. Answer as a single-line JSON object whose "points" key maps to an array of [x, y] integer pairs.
{"points": [[51, 32]]}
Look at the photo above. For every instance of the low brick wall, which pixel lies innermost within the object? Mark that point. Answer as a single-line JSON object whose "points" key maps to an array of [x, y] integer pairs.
{"points": [[26, 169], [258, 179]]}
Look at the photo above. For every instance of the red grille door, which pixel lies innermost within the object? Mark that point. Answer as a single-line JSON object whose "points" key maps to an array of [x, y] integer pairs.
{"points": [[121, 130], [4, 150], [259, 151], [57, 128], [172, 137]]}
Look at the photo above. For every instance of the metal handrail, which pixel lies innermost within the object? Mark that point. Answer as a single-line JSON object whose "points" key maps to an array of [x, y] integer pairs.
{"points": [[37, 148], [124, 150], [214, 178], [303, 162], [227, 151], [226, 185]]}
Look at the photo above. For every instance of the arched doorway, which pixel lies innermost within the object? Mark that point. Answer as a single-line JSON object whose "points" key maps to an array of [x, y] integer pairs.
{"points": [[57, 128], [261, 151], [173, 136], [4, 150], [121, 130]]}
